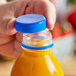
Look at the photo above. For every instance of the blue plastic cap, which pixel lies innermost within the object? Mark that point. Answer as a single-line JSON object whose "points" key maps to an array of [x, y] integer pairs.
{"points": [[30, 23]]}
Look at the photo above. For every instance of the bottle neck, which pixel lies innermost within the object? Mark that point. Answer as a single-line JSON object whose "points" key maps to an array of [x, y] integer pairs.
{"points": [[38, 39], [37, 44]]}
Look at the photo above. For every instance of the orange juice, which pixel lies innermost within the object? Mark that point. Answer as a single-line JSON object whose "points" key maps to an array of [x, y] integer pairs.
{"points": [[37, 63]]}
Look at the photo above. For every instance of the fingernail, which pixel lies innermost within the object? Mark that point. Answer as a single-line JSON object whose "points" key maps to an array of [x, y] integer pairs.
{"points": [[11, 27], [52, 23]]}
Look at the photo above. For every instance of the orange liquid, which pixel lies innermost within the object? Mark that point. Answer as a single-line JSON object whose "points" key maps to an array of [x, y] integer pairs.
{"points": [[37, 63]]}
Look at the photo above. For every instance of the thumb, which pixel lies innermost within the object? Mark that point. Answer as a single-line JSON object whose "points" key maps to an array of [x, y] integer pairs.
{"points": [[11, 27], [8, 27]]}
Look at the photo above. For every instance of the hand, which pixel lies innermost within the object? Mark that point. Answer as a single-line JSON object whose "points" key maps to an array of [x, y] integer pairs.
{"points": [[10, 40]]}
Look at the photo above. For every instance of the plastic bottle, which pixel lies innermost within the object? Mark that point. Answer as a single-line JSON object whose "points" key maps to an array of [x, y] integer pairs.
{"points": [[37, 58]]}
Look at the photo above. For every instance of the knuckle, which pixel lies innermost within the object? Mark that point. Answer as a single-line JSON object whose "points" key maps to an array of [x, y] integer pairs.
{"points": [[44, 3]]}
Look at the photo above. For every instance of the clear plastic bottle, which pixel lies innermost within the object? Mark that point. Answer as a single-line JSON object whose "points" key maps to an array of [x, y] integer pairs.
{"points": [[37, 58]]}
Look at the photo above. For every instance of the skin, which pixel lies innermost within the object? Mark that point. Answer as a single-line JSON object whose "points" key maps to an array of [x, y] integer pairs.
{"points": [[3, 2], [9, 38]]}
